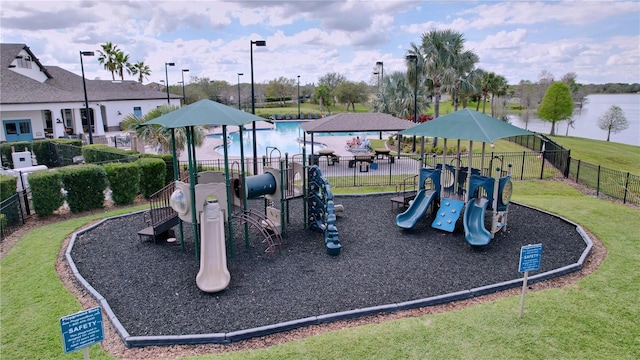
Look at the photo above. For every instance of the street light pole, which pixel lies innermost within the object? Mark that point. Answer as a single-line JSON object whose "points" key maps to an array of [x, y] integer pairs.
{"points": [[381, 64], [298, 96], [184, 98], [415, 99], [86, 100], [166, 83], [253, 106], [239, 74]]}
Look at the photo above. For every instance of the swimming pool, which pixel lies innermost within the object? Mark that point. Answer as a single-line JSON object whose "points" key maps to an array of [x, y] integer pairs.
{"points": [[284, 137]]}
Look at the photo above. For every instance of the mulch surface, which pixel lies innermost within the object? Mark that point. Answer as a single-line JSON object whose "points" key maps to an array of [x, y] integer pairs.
{"points": [[152, 289]]}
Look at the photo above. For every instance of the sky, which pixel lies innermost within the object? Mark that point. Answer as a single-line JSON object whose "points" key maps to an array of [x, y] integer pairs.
{"points": [[597, 40]]}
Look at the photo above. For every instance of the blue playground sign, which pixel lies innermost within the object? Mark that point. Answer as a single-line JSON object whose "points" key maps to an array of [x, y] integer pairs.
{"points": [[82, 329], [530, 256]]}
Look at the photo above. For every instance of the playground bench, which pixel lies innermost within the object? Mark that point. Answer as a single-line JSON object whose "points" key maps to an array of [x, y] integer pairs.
{"points": [[159, 221]]}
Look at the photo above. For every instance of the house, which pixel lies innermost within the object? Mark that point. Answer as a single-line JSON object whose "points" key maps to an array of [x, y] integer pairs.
{"points": [[38, 101]]}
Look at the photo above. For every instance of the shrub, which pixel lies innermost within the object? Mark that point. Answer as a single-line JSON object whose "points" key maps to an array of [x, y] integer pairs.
{"points": [[124, 181], [8, 186], [152, 175], [100, 153], [85, 185], [46, 191], [168, 161]]}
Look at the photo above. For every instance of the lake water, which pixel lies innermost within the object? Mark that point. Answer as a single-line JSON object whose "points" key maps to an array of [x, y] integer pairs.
{"points": [[586, 124]]}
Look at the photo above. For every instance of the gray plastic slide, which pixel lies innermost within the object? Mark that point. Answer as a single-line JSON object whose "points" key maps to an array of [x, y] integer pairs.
{"points": [[416, 210]]}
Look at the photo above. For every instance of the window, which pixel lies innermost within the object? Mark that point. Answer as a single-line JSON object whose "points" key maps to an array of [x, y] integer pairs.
{"points": [[25, 127], [24, 62], [68, 118], [11, 128], [48, 119], [137, 111]]}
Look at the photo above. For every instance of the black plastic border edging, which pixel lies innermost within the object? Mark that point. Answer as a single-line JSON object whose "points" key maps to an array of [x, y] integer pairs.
{"points": [[225, 338]]}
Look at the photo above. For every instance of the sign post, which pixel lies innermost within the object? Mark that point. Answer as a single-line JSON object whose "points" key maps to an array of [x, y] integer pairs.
{"points": [[81, 330], [530, 256]]}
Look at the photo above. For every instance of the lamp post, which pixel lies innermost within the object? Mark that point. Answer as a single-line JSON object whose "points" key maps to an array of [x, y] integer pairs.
{"points": [[184, 97], [381, 64], [239, 74], [166, 76], [253, 106], [415, 98], [298, 96], [86, 100]]}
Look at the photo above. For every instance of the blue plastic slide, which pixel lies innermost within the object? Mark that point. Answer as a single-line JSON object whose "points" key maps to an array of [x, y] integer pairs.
{"points": [[474, 230], [416, 210]]}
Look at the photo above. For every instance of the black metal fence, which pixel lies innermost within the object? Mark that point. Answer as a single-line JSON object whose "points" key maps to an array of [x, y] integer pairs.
{"points": [[613, 183], [13, 212], [371, 170]]}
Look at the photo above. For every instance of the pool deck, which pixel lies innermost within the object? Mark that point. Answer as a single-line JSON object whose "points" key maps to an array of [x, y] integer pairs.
{"points": [[207, 150]]}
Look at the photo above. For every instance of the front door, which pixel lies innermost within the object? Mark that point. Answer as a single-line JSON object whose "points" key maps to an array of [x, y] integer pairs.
{"points": [[17, 130]]}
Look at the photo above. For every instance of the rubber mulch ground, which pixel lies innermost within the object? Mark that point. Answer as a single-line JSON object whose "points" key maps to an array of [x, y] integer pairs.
{"points": [[152, 290]]}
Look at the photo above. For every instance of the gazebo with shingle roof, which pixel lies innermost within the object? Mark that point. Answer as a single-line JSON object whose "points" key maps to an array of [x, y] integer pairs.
{"points": [[355, 122]]}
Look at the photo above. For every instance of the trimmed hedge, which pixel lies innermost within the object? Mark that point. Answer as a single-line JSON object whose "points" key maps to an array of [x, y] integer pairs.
{"points": [[85, 185], [46, 191], [152, 175], [100, 153], [124, 181], [8, 186], [168, 160]]}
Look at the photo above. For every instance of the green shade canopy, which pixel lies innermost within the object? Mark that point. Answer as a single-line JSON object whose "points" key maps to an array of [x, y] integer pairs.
{"points": [[467, 124], [204, 112]]}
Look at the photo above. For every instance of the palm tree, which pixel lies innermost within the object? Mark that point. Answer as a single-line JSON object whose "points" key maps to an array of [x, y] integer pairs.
{"points": [[107, 57], [465, 67], [498, 87], [487, 82], [155, 135], [443, 58], [121, 61], [141, 70]]}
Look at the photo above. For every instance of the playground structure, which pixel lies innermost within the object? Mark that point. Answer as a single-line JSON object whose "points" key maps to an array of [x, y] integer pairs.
{"points": [[459, 187], [322, 210], [459, 193], [283, 180]]}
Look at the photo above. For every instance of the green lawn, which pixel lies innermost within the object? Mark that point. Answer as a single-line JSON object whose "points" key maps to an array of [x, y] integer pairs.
{"points": [[613, 155], [595, 318]]}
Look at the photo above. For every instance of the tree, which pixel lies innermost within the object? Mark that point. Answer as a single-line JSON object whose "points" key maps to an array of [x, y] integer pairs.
{"points": [[156, 135], [544, 81], [140, 70], [350, 93], [107, 56], [121, 61], [498, 88], [280, 88], [332, 80], [613, 121], [556, 105], [323, 96], [444, 60]]}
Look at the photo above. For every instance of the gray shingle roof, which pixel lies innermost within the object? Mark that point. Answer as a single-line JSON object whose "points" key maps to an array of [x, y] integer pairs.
{"points": [[348, 122], [63, 85]]}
